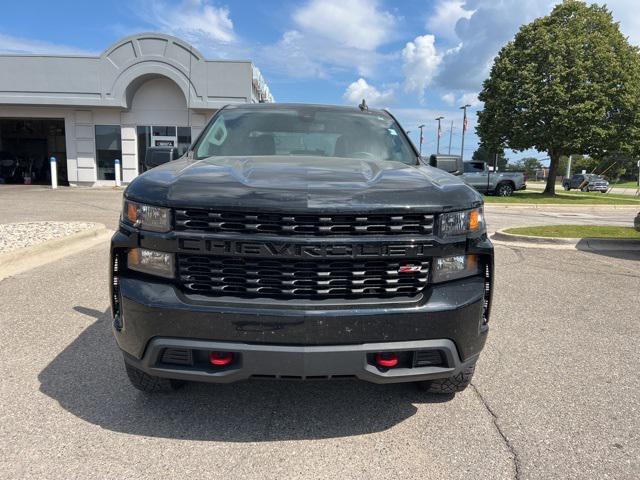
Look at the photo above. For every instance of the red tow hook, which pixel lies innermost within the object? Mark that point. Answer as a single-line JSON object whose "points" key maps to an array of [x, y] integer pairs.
{"points": [[220, 359], [387, 359]]}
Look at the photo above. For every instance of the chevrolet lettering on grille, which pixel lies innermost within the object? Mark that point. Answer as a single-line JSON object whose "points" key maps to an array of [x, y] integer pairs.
{"points": [[300, 250]]}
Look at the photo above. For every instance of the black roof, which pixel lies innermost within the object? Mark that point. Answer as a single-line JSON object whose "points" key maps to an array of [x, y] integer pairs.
{"points": [[311, 106]]}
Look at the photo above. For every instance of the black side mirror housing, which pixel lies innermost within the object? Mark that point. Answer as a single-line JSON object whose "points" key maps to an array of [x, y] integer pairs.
{"points": [[156, 156], [449, 163]]}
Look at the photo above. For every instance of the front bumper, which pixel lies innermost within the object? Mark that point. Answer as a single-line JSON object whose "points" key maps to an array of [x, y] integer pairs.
{"points": [[299, 338], [300, 341], [299, 362]]}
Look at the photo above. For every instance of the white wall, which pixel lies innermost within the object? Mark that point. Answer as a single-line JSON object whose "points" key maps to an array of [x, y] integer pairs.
{"points": [[158, 101]]}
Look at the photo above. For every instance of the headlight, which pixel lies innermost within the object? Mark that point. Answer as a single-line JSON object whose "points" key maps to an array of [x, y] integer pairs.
{"points": [[147, 217], [461, 223], [151, 262], [452, 268]]}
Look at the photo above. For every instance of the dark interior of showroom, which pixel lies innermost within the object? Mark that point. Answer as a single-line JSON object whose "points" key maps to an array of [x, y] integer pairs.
{"points": [[26, 145]]}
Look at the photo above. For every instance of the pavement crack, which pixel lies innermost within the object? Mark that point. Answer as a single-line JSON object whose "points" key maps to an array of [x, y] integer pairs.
{"points": [[513, 454]]}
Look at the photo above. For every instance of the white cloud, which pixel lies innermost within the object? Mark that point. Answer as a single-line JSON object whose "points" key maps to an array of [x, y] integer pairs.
{"points": [[197, 21], [481, 36], [21, 45], [361, 89], [445, 16], [332, 36], [420, 63], [491, 25], [291, 56], [449, 98], [469, 98], [358, 24]]}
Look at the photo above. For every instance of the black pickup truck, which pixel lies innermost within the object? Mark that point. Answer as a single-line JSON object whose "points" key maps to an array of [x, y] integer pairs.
{"points": [[306, 242]]}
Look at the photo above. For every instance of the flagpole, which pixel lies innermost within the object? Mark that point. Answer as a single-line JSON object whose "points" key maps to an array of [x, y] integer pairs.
{"points": [[464, 128], [421, 138], [439, 134]]}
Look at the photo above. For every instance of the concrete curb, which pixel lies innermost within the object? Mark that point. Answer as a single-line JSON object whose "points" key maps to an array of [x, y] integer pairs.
{"points": [[586, 244], [23, 259]]}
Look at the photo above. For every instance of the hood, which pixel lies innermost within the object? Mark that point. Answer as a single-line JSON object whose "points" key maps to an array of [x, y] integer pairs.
{"points": [[277, 183]]}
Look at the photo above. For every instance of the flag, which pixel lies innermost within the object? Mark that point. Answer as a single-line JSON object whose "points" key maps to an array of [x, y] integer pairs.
{"points": [[421, 139], [439, 131], [465, 124]]}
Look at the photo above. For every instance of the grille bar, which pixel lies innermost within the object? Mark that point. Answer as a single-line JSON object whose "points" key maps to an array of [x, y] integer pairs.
{"points": [[214, 275], [304, 224]]}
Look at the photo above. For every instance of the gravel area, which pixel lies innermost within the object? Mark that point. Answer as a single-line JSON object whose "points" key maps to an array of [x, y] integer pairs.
{"points": [[14, 236]]}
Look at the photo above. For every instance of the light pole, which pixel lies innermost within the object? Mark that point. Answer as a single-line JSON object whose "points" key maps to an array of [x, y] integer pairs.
{"points": [[421, 138], [439, 134], [464, 128]]}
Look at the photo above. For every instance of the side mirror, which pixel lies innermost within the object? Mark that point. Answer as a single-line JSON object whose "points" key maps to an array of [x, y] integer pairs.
{"points": [[156, 156], [449, 163]]}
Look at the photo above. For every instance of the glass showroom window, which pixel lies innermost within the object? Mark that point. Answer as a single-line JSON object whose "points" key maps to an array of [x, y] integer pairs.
{"points": [[184, 139], [108, 148]]}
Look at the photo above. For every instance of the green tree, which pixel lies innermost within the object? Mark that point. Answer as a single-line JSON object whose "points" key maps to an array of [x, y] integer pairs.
{"points": [[529, 165], [568, 82], [483, 154]]}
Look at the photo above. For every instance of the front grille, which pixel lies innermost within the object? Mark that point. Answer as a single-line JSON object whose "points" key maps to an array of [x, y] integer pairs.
{"points": [[300, 279], [328, 225]]}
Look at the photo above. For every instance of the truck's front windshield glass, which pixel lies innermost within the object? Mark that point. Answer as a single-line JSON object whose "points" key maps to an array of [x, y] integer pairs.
{"points": [[304, 131]]}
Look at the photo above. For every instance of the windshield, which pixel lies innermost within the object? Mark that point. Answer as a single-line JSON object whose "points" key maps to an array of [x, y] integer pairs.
{"points": [[305, 131]]}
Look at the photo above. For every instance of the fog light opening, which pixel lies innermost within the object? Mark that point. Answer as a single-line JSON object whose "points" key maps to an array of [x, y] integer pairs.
{"points": [[220, 359], [386, 359]]}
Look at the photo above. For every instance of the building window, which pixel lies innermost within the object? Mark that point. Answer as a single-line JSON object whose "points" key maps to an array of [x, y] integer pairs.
{"points": [[159, 131], [184, 139], [108, 148], [144, 141]]}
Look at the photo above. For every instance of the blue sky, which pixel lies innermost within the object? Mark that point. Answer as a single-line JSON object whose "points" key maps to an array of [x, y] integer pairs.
{"points": [[420, 58]]}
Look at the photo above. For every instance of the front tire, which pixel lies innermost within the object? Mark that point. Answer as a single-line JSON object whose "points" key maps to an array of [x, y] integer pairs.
{"points": [[567, 188], [150, 383], [449, 385], [585, 189]]}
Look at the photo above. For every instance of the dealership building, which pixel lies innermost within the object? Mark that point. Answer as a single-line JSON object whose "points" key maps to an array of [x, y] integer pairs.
{"points": [[145, 90]]}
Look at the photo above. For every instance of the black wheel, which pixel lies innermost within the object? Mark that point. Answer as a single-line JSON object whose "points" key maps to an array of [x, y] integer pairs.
{"points": [[504, 190], [450, 385], [567, 188], [150, 383], [585, 189]]}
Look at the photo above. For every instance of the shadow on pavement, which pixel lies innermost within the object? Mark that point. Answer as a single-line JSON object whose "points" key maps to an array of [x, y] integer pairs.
{"points": [[626, 249], [87, 378]]}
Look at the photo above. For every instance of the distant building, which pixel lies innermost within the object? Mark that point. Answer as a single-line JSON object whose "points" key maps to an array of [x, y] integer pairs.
{"points": [[147, 89]]}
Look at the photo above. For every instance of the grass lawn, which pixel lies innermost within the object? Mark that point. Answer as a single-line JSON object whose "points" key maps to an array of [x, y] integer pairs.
{"points": [[576, 231], [566, 198], [626, 185]]}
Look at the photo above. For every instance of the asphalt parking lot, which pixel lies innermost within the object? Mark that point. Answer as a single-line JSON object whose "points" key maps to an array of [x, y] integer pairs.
{"points": [[555, 394]]}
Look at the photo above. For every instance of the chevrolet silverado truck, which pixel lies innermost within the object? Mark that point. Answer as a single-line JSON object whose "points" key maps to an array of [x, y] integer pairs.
{"points": [[586, 182], [301, 242], [503, 184]]}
